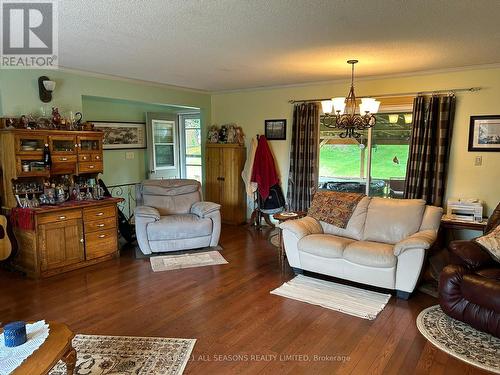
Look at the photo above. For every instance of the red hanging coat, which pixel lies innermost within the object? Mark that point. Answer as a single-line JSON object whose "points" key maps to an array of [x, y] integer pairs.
{"points": [[264, 170]]}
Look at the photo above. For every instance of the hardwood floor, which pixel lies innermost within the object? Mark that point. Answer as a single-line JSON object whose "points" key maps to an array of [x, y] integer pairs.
{"points": [[240, 327]]}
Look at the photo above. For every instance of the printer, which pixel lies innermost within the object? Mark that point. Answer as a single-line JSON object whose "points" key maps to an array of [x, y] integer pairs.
{"points": [[464, 209]]}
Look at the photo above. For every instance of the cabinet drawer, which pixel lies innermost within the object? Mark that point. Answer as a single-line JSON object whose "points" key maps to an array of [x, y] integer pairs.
{"points": [[63, 168], [100, 224], [101, 243], [85, 167], [55, 217], [90, 214], [84, 157], [96, 157], [63, 158]]}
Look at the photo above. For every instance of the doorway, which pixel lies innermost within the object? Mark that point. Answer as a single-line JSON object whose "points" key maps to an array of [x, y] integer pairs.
{"points": [[190, 139]]}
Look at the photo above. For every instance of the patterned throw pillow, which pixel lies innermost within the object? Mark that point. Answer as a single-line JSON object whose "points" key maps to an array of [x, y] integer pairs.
{"points": [[334, 207], [491, 243]]}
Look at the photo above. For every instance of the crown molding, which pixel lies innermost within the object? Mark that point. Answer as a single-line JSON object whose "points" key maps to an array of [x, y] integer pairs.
{"points": [[361, 78], [113, 77]]}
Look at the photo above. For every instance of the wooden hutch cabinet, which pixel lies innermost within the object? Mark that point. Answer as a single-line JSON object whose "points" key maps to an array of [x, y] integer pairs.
{"points": [[69, 235], [223, 182]]}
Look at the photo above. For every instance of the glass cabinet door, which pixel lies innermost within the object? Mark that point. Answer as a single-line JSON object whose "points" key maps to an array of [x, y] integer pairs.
{"points": [[30, 144], [62, 144], [89, 144], [164, 144]]}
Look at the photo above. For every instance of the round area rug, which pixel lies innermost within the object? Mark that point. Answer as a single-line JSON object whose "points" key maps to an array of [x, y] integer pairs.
{"points": [[459, 339]]}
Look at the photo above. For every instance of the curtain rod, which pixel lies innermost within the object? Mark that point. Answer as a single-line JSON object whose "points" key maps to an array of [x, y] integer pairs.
{"points": [[463, 89]]}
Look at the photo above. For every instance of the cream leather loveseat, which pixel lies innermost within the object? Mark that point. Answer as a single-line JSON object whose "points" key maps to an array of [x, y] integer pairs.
{"points": [[383, 244]]}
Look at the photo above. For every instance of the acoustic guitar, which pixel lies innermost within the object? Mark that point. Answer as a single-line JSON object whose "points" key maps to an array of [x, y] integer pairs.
{"points": [[5, 236]]}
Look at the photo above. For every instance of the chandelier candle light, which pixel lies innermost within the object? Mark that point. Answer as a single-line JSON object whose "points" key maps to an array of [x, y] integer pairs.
{"points": [[345, 116]]}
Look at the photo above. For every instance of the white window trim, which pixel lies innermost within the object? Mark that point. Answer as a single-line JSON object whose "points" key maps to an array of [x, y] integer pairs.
{"points": [[174, 144]]}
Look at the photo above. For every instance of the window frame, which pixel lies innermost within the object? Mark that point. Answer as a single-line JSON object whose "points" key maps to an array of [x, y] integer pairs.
{"points": [[389, 104]]}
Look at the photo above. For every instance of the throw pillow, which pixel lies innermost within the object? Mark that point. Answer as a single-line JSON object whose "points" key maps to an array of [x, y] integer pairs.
{"points": [[491, 243], [334, 207]]}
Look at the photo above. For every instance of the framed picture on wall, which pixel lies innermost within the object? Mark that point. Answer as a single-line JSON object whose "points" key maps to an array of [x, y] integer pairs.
{"points": [[484, 133], [275, 130], [122, 135]]}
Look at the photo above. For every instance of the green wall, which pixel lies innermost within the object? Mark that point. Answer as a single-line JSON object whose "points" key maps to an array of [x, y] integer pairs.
{"points": [[101, 99], [118, 169]]}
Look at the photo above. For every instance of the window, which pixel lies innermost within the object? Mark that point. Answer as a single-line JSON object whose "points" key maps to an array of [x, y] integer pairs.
{"points": [[191, 127], [344, 164], [164, 147]]}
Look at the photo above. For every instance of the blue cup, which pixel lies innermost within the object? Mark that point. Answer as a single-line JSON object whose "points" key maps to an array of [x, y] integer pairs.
{"points": [[14, 334]]}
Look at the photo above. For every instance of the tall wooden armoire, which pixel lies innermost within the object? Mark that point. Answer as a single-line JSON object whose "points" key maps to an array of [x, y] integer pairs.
{"points": [[223, 182]]}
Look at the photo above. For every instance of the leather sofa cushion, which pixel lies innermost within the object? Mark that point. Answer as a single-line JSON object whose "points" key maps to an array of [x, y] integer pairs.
{"points": [[372, 254], [356, 224], [324, 245], [174, 227], [489, 273], [392, 220]]}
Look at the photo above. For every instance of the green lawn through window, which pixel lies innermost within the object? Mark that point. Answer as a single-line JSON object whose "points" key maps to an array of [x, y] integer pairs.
{"points": [[344, 161]]}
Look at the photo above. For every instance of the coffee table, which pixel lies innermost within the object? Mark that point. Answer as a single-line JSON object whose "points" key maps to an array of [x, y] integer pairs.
{"points": [[56, 347]]}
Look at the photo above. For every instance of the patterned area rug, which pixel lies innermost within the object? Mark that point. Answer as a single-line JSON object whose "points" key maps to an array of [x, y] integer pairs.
{"points": [[459, 339], [100, 355], [175, 262], [343, 298]]}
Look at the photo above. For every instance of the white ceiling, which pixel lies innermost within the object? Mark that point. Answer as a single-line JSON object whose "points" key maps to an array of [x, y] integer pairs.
{"points": [[233, 44]]}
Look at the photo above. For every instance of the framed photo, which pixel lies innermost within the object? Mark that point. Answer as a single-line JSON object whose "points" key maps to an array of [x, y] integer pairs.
{"points": [[275, 130], [122, 135], [484, 133]]}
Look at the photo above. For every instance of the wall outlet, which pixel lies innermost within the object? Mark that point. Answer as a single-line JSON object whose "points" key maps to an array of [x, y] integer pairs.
{"points": [[129, 155], [478, 161]]}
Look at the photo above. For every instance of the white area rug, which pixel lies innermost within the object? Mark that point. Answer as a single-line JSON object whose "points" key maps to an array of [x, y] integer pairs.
{"points": [[343, 298], [175, 262], [459, 339], [125, 355]]}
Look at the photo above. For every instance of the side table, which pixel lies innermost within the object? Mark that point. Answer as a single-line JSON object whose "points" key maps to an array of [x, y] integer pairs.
{"points": [[282, 217]]}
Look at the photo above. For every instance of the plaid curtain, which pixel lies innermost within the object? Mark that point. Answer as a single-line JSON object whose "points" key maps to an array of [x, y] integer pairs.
{"points": [[303, 156], [429, 148]]}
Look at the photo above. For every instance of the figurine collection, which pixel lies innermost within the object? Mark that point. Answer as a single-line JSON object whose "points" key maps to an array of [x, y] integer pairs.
{"points": [[56, 121], [229, 133]]}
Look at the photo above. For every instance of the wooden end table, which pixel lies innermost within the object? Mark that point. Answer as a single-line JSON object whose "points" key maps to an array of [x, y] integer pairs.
{"points": [[56, 347], [282, 217]]}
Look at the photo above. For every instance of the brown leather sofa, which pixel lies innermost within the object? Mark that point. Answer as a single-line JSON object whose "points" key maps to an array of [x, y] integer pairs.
{"points": [[469, 288]]}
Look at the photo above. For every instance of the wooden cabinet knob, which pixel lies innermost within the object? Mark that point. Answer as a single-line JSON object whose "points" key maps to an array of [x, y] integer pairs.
{"points": [[99, 214], [100, 225], [102, 235], [62, 217]]}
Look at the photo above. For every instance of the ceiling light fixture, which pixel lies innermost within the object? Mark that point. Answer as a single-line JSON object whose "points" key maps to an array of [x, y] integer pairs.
{"points": [[345, 116], [393, 118], [408, 118]]}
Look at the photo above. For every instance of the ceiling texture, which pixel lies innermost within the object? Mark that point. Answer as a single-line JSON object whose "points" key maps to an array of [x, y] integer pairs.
{"points": [[218, 45]]}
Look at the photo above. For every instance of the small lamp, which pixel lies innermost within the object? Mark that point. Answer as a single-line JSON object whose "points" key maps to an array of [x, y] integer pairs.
{"points": [[45, 88]]}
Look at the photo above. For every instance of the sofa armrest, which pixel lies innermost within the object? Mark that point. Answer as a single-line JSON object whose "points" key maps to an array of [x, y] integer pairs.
{"points": [[302, 227], [203, 209], [469, 254], [420, 240], [147, 212]]}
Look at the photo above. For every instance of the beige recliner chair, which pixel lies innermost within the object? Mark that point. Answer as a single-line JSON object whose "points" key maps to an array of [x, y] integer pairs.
{"points": [[171, 216]]}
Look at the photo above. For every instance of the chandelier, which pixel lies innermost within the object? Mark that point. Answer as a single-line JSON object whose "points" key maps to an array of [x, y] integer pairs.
{"points": [[344, 114]]}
